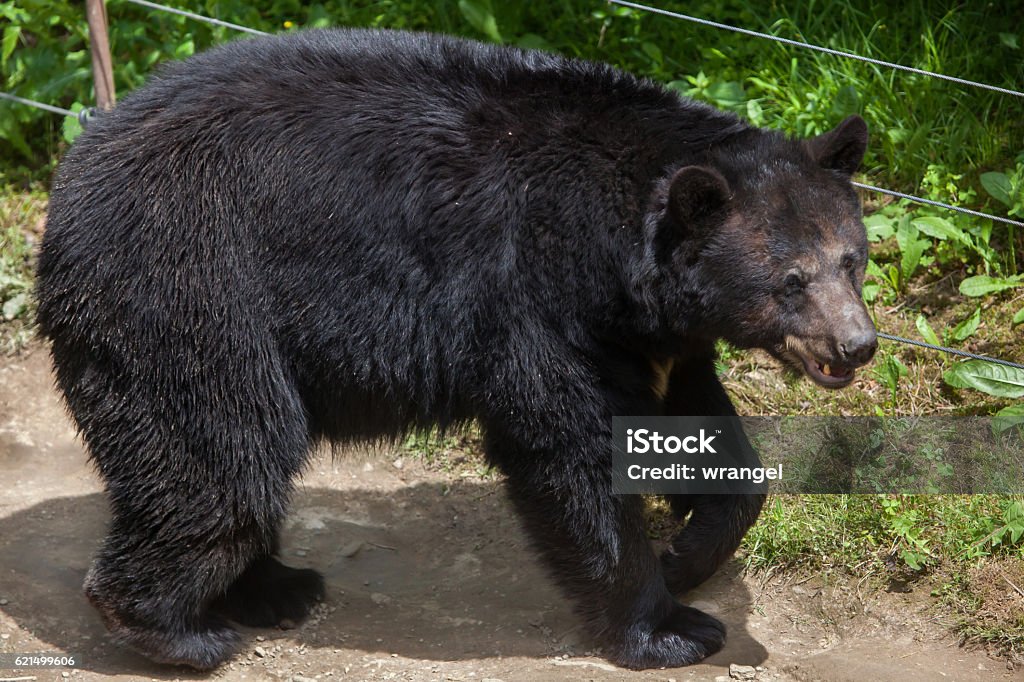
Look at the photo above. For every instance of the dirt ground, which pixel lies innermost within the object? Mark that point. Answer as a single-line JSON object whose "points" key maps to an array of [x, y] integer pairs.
{"points": [[429, 578]]}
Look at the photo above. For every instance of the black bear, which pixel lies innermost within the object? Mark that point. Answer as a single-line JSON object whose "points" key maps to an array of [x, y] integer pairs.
{"points": [[344, 234]]}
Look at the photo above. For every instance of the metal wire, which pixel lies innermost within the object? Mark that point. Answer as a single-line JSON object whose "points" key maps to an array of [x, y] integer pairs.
{"points": [[819, 48], [197, 17], [921, 200], [38, 105], [951, 351]]}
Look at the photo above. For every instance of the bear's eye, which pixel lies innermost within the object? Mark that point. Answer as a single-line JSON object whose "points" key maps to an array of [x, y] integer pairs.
{"points": [[849, 262], [794, 283]]}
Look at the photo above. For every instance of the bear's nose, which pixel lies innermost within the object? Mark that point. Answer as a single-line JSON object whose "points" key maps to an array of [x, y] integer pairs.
{"points": [[860, 348]]}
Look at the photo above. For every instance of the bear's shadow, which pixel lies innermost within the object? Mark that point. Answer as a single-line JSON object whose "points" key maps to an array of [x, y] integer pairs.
{"points": [[429, 571]]}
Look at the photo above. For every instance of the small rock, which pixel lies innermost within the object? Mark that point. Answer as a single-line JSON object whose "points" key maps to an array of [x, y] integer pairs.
{"points": [[260, 651], [301, 552], [398, 463], [380, 599], [368, 467], [742, 672], [4, 602], [302, 678]]}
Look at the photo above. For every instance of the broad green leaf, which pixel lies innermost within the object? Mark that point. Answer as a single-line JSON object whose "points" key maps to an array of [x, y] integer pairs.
{"points": [[926, 331], [185, 49], [874, 270], [898, 135], [941, 229], [72, 128], [1018, 318], [911, 249], [893, 276], [1008, 417], [870, 291], [997, 380], [1009, 40], [999, 186], [727, 94], [980, 285], [481, 17], [966, 328], [653, 51], [879, 227], [10, 41]]}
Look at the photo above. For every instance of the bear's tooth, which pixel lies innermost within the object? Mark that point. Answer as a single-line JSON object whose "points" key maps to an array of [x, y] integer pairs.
{"points": [[826, 370]]}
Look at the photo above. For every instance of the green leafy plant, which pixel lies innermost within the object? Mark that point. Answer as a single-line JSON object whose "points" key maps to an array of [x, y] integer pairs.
{"points": [[990, 378], [889, 370], [909, 541], [926, 330], [1007, 187]]}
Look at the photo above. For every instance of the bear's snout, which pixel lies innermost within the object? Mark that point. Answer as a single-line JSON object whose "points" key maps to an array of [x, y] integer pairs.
{"points": [[860, 347]]}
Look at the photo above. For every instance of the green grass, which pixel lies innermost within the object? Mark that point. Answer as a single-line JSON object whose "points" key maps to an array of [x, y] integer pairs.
{"points": [[885, 535], [950, 546]]}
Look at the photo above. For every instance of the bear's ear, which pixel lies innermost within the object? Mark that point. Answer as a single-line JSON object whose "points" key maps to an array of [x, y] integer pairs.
{"points": [[841, 149], [696, 192]]}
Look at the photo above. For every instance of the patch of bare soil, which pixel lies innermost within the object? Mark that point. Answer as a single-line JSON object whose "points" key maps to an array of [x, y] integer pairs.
{"points": [[429, 577]]}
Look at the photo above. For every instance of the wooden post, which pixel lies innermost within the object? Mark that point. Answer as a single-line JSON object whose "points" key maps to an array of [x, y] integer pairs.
{"points": [[99, 45]]}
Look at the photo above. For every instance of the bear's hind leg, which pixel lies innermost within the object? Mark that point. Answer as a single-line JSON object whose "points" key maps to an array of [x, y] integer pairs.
{"points": [[198, 468], [165, 622]]}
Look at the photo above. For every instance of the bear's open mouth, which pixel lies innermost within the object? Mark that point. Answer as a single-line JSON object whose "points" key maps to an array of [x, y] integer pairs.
{"points": [[824, 374], [794, 352]]}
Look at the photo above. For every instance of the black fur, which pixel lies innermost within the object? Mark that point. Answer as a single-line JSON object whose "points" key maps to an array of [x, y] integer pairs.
{"points": [[347, 234]]}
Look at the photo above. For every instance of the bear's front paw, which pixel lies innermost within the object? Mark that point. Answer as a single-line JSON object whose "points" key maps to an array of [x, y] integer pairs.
{"points": [[270, 594], [685, 637]]}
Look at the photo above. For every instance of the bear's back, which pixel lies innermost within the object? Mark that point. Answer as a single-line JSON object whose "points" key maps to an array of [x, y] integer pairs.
{"points": [[348, 190]]}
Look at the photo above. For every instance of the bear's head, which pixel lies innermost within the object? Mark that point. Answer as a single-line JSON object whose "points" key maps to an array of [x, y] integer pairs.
{"points": [[763, 245]]}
